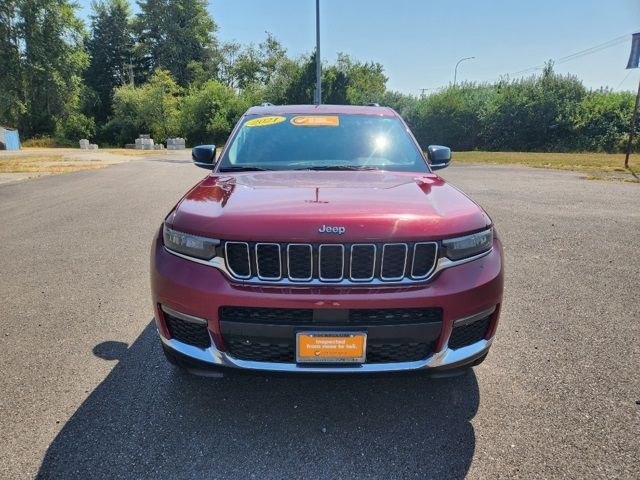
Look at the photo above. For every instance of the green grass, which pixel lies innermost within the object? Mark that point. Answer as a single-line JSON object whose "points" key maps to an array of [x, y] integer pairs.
{"points": [[601, 166]]}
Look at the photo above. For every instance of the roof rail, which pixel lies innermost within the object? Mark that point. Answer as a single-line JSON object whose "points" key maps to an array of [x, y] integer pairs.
{"points": [[266, 104], [373, 104]]}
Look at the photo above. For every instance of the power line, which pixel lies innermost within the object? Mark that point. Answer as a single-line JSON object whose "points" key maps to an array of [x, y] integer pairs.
{"points": [[595, 49], [581, 53], [624, 79]]}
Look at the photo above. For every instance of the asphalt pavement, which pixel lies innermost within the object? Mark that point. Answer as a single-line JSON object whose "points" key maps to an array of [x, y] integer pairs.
{"points": [[85, 391]]}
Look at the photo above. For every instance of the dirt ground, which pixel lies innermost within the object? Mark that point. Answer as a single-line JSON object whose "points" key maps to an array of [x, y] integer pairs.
{"points": [[31, 163]]}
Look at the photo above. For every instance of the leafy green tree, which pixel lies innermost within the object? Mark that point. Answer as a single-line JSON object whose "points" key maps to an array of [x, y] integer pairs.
{"points": [[346, 82], [161, 96], [533, 114], [151, 108], [172, 34], [365, 82], [224, 58], [208, 113], [335, 86], [280, 83], [52, 61], [111, 50], [400, 102], [301, 87], [12, 101], [451, 117], [240, 67], [603, 120], [126, 121]]}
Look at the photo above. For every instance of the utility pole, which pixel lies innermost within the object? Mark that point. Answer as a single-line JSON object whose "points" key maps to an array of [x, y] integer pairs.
{"points": [[455, 71], [633, 129], [318, 61], [634, 62]]}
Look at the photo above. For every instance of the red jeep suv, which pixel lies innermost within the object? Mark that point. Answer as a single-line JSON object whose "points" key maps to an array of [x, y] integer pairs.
{"points": [[322, 242]]}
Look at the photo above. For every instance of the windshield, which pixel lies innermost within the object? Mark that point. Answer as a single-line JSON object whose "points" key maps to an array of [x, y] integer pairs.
{"points": [[322, 142]]}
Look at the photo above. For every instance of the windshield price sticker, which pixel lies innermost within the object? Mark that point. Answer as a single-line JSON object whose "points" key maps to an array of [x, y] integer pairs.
{"points": [[264, 121], [316, 121]]}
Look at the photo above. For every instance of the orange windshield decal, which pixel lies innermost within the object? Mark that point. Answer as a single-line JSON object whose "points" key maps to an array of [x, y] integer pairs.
{"points": [[316, 121]]}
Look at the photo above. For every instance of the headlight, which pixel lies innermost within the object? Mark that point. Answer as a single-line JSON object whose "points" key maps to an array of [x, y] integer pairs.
{"points": [[469, 245], [191, 245]]}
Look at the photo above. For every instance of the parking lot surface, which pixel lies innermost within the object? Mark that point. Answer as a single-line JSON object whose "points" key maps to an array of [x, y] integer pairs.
{"points": [[85, 391]]}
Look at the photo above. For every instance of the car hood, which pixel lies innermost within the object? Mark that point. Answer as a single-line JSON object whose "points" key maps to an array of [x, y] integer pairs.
{"points": [[293, 206]]}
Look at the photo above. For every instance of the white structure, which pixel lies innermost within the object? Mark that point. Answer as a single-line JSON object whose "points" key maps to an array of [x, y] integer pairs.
{"points": [[175, 143], [144, 143], [84, 144]]}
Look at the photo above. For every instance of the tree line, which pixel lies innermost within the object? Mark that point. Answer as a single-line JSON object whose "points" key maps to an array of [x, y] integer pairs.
{"points": [[163, 71]]}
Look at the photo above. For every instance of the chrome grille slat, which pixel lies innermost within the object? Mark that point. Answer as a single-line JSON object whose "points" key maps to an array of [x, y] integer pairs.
{"points": [[331, 263]]}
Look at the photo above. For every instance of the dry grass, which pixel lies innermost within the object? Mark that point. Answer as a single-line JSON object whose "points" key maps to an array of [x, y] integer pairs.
{"points": [[597, 166], [45, 164], [56, 151], [39, 142], [62, 160], [130, 152]]}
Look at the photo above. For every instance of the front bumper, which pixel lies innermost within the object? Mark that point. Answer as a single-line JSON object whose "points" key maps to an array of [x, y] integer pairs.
{"points": [[466, 291]]}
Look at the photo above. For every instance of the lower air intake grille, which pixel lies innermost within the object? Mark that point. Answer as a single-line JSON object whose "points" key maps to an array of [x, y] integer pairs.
{"points": [[391, 316], [308, 317], [261, 352], [397, 352], [466, 335], [285, 352], [187, 332], [267, 316]]}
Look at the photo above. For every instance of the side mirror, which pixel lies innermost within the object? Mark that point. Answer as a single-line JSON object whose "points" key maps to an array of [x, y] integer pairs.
{"points": [[439, 156], [204, 156]]}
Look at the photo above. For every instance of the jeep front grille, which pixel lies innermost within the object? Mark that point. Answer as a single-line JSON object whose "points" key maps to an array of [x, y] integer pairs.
{"points": [[306, 263]]}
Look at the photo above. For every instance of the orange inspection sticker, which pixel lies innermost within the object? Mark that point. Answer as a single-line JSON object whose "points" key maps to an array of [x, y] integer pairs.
{"points": [[316, 121], [331, 347], [264, 121]]}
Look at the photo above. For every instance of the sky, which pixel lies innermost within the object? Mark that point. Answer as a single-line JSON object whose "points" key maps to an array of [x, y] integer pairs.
{"points": [[419, 41]]}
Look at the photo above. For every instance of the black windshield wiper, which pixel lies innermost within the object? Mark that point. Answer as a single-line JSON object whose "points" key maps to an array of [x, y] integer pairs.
{"points": [[339, 167], [243, 169]]}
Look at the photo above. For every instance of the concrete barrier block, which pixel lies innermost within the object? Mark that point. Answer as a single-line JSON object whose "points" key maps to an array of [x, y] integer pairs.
{"points": [[175, 143]]}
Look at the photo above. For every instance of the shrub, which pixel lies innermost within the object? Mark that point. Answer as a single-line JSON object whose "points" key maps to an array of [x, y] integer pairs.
{"points": [[151, 108], [209, 113], [451, 117], [74, 127], [603, 120]]}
